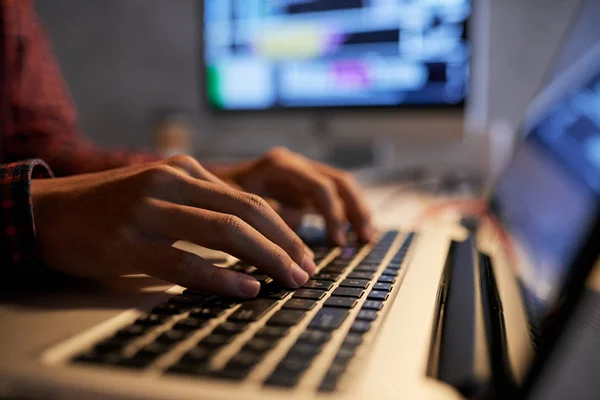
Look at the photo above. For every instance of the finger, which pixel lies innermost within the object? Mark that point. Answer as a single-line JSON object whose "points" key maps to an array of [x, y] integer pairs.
{"points": [[193, 168], [292, 217], [188, 270], [357, 211], [320, 188], [326, 199], [227, 233], [253, 210]]}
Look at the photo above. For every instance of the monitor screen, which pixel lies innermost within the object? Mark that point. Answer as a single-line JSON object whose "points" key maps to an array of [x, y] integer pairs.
{"points": [[548, 198], [264, 54]]}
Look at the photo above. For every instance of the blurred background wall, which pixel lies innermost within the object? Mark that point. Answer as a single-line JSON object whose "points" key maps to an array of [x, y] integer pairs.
{"points": [[124, 59]]}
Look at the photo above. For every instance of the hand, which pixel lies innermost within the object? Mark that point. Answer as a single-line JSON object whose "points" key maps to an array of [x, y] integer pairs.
{"points": [[296, 181], [125, 220]]}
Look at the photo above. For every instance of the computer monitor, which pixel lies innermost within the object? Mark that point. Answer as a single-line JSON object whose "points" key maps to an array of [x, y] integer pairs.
{"points": [[288, 54]]}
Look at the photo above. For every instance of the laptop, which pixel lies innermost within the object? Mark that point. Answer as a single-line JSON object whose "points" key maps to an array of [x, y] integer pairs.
{"points": [[434, 313]]}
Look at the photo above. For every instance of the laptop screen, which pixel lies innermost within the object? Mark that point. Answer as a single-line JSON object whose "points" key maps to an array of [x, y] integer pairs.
{"points": [[547, 200]]}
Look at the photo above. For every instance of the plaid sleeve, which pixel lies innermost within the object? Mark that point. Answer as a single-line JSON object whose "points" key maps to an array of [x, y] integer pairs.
{"points": [[44, 123], [17, 229]]}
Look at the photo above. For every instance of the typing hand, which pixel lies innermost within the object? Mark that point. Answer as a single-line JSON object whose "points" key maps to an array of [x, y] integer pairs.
{"points": [[124, 221], [295, 181]]}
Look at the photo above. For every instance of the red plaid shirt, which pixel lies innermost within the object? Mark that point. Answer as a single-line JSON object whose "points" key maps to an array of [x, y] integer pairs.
{"points": [[37, 121]]}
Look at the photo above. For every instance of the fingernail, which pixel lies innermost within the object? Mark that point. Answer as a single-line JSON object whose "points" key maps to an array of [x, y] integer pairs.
{"points": [[309, 265], [299, 275], [249, 287]]}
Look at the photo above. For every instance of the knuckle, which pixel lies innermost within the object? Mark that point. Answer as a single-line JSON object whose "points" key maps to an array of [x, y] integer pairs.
{"points": [[255, 204], [186, 162], [149, 202], [231, 223], [325, 187], [161, 173], [277, 154], [180, 159], [346, 177]]}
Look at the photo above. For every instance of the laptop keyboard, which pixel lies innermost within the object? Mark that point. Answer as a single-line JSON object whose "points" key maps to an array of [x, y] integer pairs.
{"points": [[198, 335]]}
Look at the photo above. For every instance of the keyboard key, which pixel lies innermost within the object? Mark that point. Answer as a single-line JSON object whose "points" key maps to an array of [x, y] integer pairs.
{"points": [[152, 351], [214, 341], [389, 272], [244, 359], [339, 263], [382, 286], [132, 331], [372, 305], [253, 310], [286, 317], [261, 276], [188, 299], [332, 269], [328, 318], [230, 328], [366, 268], [352, 340], [309, 294], [232, 372], [329, 383], [300, 304], [386, 279], [206, 312], [171, 337], [320, 285], [273, 290], [314, 337], [342, 358], [135, 362], [93, 357], [259, 345], [271, 332], [283, 379], [221, 302], [289, 371], [367, 315], [113, 344], [347, 254], [197, 355], [293, 364], [343, 302], [355, 283], [189, 369], [348, 292], [304, 350], [360, 275], [360, 326], [326, 277], [152, 320], [241, 267], [377, 295], [190, 324], [169, 309]]}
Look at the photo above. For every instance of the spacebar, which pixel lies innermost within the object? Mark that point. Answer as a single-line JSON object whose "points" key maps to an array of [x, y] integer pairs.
{"points": [[252, 310]]}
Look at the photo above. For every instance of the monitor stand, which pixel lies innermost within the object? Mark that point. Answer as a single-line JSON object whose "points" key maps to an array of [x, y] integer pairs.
{"points": [[350, 154]]}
